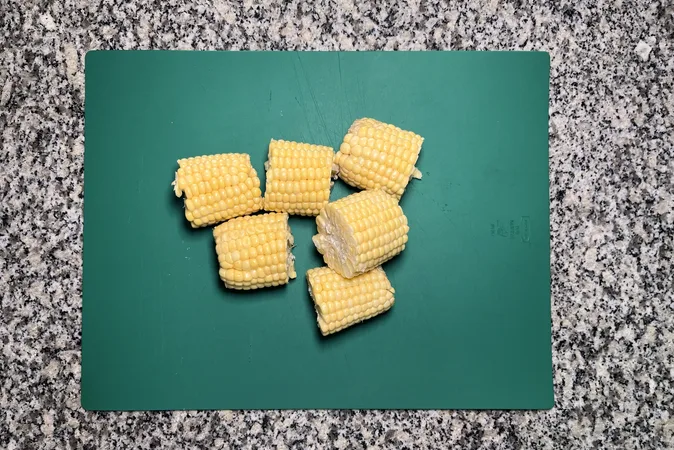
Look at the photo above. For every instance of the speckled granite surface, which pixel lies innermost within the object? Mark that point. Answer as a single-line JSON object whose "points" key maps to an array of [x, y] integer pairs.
{"points": [[611, 193]]}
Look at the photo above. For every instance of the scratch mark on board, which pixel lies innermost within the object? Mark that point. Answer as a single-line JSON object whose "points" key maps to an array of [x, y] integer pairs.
{"points": [[139, 186], [361, 97], [421, 227], [250, 348], [163, 334], [346, 362], [300, 101], [341, 87], [313, 97]]}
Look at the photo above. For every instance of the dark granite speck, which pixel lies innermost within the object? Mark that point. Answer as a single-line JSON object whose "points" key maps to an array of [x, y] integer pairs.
{"points": [[611, 194]]}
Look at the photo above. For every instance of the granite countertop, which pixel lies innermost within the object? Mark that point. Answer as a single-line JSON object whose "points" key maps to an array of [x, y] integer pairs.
{"points": [[611, 197]]}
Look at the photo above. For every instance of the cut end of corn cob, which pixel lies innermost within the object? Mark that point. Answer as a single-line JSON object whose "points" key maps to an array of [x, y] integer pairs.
{"points": [[217, 187], [378, 155], [255, 251], [341, 302], [360, 232], [299, 177]]}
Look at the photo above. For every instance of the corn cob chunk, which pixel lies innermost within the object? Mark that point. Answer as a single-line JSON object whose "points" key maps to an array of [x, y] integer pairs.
{"points": [[255, 251], [341, 302], [217, 187], [299, 177], [378, 155], [361, 231]]}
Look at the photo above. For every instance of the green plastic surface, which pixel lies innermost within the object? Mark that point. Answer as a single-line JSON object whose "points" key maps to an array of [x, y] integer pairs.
{"points": [[471, 324]]}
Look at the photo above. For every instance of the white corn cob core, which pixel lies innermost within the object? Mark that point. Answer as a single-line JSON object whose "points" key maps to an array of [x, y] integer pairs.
{"points": [[360, 232]]}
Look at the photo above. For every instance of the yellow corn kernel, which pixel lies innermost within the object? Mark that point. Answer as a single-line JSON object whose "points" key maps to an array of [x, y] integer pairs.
{"points": [[299, 177], [255, 251], [360, 232], [341, 302], [377, 155], [217, 187]]}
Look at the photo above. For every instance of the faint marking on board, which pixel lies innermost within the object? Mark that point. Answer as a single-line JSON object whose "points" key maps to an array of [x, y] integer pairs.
{"points": [[512, 229], [526, 229]]}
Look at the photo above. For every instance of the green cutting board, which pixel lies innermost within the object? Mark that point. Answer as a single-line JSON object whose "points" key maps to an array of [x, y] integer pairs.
{"points": [[471, 324]]}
